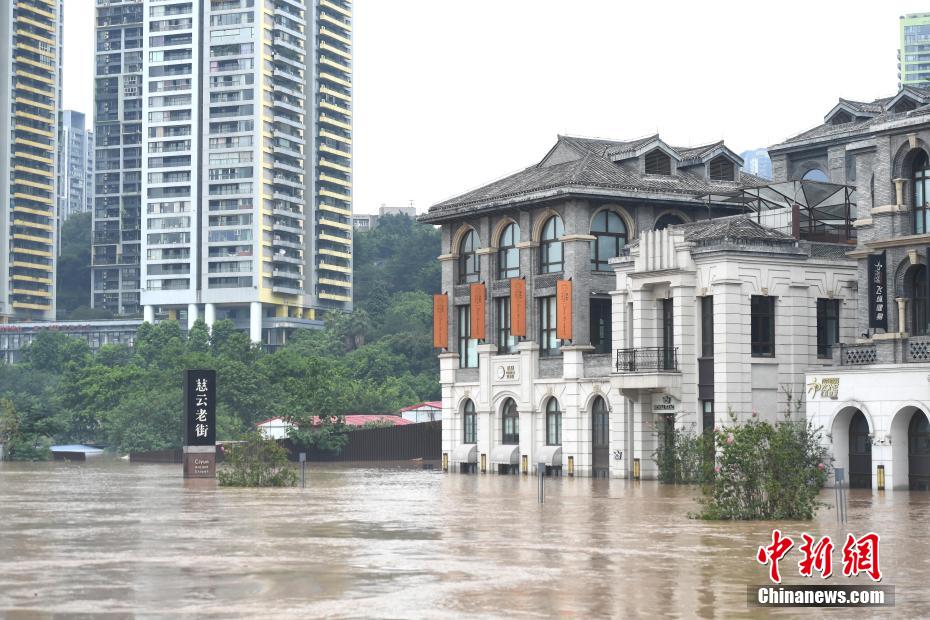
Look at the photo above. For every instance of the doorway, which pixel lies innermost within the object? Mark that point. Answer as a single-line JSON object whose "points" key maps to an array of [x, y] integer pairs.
{"points": [[600, 439]]}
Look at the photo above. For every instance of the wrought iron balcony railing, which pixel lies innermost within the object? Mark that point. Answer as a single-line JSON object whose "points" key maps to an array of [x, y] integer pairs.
{"points": [[656, 359]]}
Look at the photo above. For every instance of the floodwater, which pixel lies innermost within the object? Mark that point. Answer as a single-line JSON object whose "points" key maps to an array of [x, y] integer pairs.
{"points": [[108, 537]]}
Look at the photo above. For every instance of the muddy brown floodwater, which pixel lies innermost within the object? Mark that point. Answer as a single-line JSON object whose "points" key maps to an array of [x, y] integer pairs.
{"points": [[110, 537]]}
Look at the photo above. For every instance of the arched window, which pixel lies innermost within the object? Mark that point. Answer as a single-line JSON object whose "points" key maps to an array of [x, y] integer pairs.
{"points": [[921, 167], [510, 423], [658, 162], [815, 175], [609, 238], [721, 169], [468, 259], [917, 284], [553, 423], [550, 247], [668, 219], [470, 423], [508, 256]]}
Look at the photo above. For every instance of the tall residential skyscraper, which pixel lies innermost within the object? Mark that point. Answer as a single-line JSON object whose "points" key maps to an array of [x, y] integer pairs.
{"points": [[75, 166], [30, 100], [118, 177], [914, 50], [246, 161]]}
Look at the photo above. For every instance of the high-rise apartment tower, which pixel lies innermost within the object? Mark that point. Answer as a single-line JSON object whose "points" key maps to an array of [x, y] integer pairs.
{"points": [[30, 101], [914, 50]]}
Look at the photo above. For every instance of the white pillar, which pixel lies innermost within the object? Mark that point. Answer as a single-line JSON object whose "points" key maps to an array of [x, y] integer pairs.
{"points": [[191, 315], [148, 314], [209, 315], [255, 322]]}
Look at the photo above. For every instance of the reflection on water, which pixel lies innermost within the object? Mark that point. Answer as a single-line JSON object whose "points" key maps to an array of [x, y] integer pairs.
{"points": [[112, 537]]}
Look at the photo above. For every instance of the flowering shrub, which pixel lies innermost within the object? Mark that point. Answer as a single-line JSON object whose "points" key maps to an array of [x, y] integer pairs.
{"points": [[259, 462], [766, 471]]}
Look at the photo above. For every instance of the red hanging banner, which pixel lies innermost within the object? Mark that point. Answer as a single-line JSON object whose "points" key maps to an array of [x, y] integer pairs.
{"points": [[478, 302], [563, 309], [441, 321]]}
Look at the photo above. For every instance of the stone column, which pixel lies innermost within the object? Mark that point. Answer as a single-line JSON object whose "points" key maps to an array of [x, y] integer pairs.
{"points": [[899, 185], [686, 334], [448, 363], [732, 352], [902, 314], [255, 322], [148, 314], [209, 315], [192, 314]]}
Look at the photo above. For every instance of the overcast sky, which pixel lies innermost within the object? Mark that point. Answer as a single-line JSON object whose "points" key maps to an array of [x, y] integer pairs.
{"points": [[450, 95]]}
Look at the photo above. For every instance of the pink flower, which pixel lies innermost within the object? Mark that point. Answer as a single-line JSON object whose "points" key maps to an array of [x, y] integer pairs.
{"points": [[716, 429], [820, 466], [755, 413], [717, 469], [730, 439]]}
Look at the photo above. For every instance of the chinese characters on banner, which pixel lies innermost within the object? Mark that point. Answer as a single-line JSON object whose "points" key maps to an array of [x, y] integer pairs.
{"points": [[860, 555], [878, 294], [200, 406]]}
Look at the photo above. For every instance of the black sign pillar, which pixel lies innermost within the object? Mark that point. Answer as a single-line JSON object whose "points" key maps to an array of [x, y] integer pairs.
{"points": [[200, 424], [878, 293]]}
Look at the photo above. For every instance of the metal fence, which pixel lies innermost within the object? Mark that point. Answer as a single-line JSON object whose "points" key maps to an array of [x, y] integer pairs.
{"points": [[646, 359], [391, 443]]}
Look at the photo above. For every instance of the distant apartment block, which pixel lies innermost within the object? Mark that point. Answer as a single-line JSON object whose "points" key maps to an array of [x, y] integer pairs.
{"points": [[914, 50], [75, 166], [30, 100], [118, 165], [364, 222], [246, 162], [757, 162]]}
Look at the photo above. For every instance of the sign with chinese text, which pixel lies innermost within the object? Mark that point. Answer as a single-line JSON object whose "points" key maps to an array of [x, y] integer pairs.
{"points": [[826, 387], [478, 303], [878, 293], [563, 311], [200, 408], [518, 307], [507, 372], [441, 321]]}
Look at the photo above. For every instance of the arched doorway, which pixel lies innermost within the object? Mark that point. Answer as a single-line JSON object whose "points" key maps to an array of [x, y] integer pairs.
{"points": [[860, 453], [600, 439], [918, 452]]}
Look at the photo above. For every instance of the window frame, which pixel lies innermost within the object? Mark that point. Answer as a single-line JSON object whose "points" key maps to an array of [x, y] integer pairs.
{"points": [[507, 250], [553, 423], [469, 423], [762, 317], [824, 317], [660, 167], [619, 240], [726, 165], [598, 339], [510, 414], [707, 326], [468, 259], [506, 343], [920, 177], [549, 239], [549, 343], [467, 346]]}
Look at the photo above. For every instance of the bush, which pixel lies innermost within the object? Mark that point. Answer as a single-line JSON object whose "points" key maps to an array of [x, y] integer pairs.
{"points": [[258, 462], [683, 457], [766, 471]]}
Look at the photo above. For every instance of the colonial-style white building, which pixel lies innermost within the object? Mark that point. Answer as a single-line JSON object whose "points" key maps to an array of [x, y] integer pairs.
{"points": [[874, 402], [608, 298]]}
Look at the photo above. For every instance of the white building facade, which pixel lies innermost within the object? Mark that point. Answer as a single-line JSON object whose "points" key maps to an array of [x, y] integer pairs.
{"points": [[609, 249]]}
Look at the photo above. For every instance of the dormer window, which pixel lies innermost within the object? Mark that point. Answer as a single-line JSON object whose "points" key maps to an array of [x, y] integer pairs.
{"points": [[904, 105], [721, 169], [658, 162], [841, 118]]}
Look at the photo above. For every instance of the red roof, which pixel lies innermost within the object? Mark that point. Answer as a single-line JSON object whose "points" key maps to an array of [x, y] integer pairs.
{"points": [[430, 404]]}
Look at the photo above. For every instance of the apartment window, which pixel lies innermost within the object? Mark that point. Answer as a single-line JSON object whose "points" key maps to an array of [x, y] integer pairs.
{"points": [[468, 346], [762, 319], [658, 162], [601, 333], [553, 423], [707, 326], [470, 423], [828, 326], [550, 246], [510, 423], [468, 259], [505, 342], [508, 256], [549, 344], [609, 238]]}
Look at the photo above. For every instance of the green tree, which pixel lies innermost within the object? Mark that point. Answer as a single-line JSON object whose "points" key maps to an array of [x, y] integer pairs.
{"points": [[51, 351], [73, 278]]}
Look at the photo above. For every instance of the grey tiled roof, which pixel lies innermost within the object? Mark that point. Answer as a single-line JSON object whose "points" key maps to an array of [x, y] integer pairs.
{"points": [[740, 227], [874, 113], [593, 169]]}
